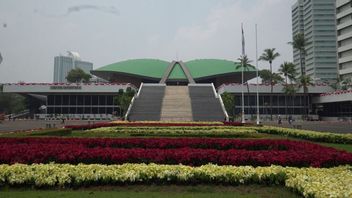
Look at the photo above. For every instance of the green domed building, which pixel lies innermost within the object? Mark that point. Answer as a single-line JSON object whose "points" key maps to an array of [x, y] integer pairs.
{"points": [[136, 71]]}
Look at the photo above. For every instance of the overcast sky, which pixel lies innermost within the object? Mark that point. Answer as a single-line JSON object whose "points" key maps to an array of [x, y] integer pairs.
{"points": [[32, 32]]}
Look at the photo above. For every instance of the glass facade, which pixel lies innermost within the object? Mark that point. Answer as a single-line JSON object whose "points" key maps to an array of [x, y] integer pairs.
{"points": [[81, 104], [281, 104]]}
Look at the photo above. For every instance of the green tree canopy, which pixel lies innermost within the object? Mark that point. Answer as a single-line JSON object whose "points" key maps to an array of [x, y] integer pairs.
{"points": [[288, 70], [78, 75], [266, 77], [229, 103], [305, 81], [269, 55], [11, 103], [299, 43], [123, 99], [246, 63], [290, 89]]}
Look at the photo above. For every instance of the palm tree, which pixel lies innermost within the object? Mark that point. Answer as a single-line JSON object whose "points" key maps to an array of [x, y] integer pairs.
{"points": [[299, 44], [270, 55], [288, 70], [244, 60], [305, 81], [290, 90], [346, 83]]}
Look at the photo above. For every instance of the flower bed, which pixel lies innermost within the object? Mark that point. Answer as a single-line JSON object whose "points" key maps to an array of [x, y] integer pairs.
{"points": [[153, 124], [184, 131], [308, 135], [193, 152], [310, 182]]}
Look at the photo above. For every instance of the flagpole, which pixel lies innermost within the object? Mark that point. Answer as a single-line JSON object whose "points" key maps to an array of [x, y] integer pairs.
{"points": [[256, 64], [243, 53]]}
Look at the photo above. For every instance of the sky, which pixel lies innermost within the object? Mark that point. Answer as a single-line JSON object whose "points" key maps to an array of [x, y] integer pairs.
{"points": [[33, 32]]}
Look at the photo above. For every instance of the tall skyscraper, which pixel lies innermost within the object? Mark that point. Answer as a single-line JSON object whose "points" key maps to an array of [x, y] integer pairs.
{"points": [[64, 64], [316, 20], [298, 28], [344, 37]]}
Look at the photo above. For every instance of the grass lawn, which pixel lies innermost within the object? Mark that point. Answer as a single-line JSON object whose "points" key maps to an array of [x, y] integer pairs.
{"points": [[172, 191], [346, 147]]}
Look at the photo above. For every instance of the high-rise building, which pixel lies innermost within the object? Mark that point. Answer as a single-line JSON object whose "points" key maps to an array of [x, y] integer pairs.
{"points": [[298, 28], [344, 37], [64, 64], [316, 20]]}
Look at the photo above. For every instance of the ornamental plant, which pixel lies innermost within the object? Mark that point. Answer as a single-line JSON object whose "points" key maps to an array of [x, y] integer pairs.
{"points": [[194, 152], [308, 135], [310, 182]]}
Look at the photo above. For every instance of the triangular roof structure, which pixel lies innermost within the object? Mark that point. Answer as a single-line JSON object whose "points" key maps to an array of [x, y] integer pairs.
{"points": [[177, 70]]}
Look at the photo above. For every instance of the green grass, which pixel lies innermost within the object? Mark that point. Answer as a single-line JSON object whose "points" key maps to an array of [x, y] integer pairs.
{"points": [[345, 147], [172, 191]]}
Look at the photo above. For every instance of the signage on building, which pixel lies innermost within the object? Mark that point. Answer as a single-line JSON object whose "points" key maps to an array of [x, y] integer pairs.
{"points": [[65, 87]]}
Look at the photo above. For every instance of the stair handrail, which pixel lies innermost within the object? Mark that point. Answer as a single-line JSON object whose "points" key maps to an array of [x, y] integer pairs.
{"points": [[139, 90], [132, 102], [129, 108], [214, 90], [217, 95], [223, 108]]}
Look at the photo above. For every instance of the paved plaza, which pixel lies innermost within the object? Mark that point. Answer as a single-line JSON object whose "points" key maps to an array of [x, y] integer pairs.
{"points": [[324, 126], [335, 127], [18, 125]]}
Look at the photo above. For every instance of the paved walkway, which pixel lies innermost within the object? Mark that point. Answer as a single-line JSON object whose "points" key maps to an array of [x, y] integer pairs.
{"points": [[324, 126], [18, 125]]}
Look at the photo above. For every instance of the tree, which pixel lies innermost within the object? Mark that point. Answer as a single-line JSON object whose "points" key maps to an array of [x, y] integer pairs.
{"points": [[246, 67], [123, 99], [305, 81], [11, 103], [346, 84], [290, 90], [78, 75], [229, 103], [266, 76], [299, 44], [270, 55], [288, 70]]}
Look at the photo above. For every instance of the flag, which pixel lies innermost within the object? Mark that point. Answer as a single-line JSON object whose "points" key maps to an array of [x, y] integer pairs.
{"points": [[0, 58], [243, 42]]}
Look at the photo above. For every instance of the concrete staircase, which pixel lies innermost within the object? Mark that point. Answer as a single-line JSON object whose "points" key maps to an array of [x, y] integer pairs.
{"points": [[147, 106], [205, 104], [195, 102], [176, 105]]}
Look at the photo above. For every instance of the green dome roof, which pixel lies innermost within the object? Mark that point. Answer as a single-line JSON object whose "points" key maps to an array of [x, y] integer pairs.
{"points": [[211, 67], [153, 68], [142, 67]]}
